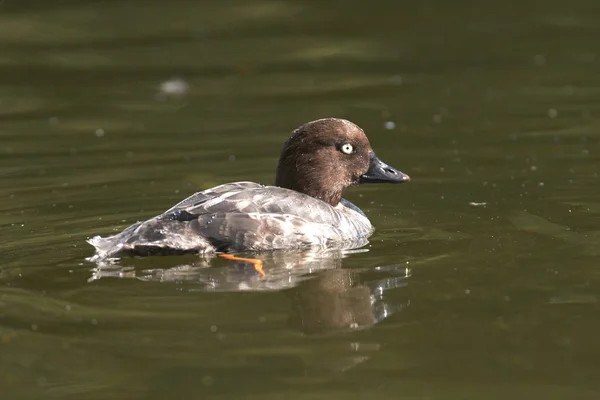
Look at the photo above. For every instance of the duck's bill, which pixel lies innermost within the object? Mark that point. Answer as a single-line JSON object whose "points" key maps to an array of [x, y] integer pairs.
{"points": [[380, 172]]}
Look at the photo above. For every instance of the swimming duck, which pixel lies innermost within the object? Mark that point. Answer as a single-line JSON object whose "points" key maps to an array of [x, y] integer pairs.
{"points": [[303, 209]]}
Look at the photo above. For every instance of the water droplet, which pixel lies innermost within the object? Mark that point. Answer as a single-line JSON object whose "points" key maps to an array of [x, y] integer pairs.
{"points": [[396, 80], [569, 90], [539, 60], [172, 88]]}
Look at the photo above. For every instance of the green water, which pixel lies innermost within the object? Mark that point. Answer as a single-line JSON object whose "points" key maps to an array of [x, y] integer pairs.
{"points": [[481, 281]]}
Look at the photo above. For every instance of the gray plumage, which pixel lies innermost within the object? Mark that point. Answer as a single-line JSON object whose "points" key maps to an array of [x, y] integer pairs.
{"points": [[241, 216]]}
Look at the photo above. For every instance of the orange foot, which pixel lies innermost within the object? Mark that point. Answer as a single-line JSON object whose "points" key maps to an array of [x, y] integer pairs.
{"points": [[258, 265]]}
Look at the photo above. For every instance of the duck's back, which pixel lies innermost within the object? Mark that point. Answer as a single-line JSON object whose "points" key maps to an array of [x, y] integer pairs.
{"points": [[241, 216]]}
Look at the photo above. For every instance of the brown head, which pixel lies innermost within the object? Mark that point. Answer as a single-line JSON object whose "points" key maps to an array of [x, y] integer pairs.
{"points": [[324, 157]]}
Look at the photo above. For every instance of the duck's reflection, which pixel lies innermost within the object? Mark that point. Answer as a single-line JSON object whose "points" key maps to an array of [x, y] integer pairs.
{"points": [[325, 296], [339, 299]]}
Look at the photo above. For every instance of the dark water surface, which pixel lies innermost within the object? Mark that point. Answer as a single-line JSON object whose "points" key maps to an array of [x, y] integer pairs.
{"points": [[481, 282]]}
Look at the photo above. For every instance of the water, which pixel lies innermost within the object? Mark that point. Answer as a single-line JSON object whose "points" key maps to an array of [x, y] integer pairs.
{"points": [[480, 282]]}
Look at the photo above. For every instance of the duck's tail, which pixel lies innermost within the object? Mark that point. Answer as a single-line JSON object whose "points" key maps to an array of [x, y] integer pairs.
{"points": [[153, 237]]}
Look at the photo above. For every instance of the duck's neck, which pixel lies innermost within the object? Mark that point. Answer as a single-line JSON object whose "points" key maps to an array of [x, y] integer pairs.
{"points": [[330, 195]]}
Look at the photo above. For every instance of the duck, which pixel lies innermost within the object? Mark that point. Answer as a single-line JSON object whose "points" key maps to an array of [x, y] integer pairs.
{"points": [[303, 209]]}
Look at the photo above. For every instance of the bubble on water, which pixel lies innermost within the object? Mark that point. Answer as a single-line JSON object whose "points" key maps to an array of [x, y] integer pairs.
{"points": [[389, 125], [99, 132], [552, 113]]}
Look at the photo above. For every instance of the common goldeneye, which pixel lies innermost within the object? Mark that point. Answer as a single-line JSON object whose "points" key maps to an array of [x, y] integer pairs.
{"points": [[303, 209]]}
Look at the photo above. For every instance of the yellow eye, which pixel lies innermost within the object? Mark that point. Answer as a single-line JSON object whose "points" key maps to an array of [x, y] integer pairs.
{"points": [[347, 148]]}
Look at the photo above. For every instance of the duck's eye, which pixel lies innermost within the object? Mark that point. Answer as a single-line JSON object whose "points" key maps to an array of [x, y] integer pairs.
{"points": [[347, 148]]}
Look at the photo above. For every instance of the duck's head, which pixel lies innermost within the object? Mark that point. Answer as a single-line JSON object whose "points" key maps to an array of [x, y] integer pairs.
{"points": [[322, 158]]}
